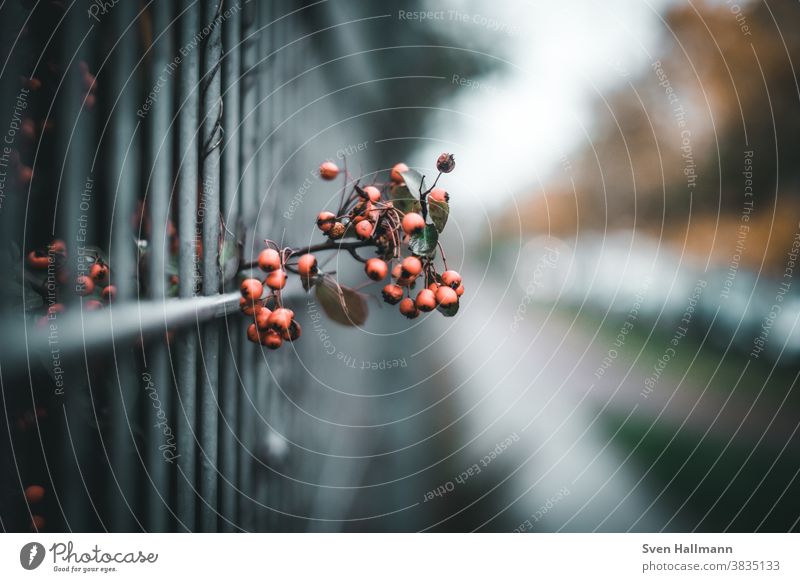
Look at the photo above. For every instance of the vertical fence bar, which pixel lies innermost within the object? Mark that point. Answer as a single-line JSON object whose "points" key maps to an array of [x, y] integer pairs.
{"points": [[230, 350], [123, 172], [159, 190], [209, 216], [186, 346]]}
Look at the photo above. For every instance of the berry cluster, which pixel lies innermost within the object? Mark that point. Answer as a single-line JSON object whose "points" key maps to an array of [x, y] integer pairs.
{"points": [[92, 285], [401, 219]]}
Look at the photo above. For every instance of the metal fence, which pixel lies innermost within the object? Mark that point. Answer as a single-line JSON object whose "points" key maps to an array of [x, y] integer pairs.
{"points": [[202, 109]]}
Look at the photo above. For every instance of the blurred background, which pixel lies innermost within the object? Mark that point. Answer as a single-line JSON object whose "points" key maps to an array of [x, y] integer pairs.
{"points": [[623, 212]]}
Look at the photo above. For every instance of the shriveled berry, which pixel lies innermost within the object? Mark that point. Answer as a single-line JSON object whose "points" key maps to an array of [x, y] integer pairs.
{"points": [[373, 194], [280, 319], [293, 333], [392, 294], [376, 269], [426, 300], [446, 297], [397, 176], [451, 279], [307, 265], [439, 195], [34, 493], [84, 285], [249, 306], [328, 171], [252, 289], [408, 308], [269, 260], [412, 223], [364, 230], [325, 221], [337, 230], [252, 333], [276, 280], [108, 293], [411, 267], [271, 339], [99, 272], [446, 163]]}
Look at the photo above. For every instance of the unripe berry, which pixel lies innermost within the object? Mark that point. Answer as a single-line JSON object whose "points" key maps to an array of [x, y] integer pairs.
{"points": [[408, 308], [34, 493], [426, 300], [271, 339], [337, 230], [460, 290], [252, 333], [325, 221], [328, 171], [446, 297], [411, 267], [412, 223], [451, 279], [446, 163], [373, 194], [249, 306], [99, 272], [252, 289], [307, 265], [292, 333], [376, 269], [280, 319], [364, 230], [269, 260], [439, 195], [392, 294], [84, 285], [397, 177], [108, 293], [276, 280]]}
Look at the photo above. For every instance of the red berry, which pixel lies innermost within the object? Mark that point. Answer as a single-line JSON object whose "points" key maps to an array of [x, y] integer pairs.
{"points": [[281, 319], [376, 269], [408, 308], [307, 265], [252, 333], [328, 171], [262, 319], [108, 293], [373, 194], [411, 267], [397, 176], [99, 272], [37, 523], [271, 339], [252, 289], [276, 280], [451, 279], [439, 195], [446, 297], [426, 300], [37, 260], [434, 286], [446, 163], [325, 221], [250, 306], [269, 260], [34, 493], [92, 305], [84, 285], [412, 223], [460, 290], [392, 294], [56, 308], [364, 230], [292, 333]]}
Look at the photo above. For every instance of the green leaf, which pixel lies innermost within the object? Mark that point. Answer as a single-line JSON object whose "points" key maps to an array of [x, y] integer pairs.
{"points": [[403, 199], [342, 304], [423, 243], [449, 311], [439, 212], [413, 181]]}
